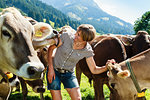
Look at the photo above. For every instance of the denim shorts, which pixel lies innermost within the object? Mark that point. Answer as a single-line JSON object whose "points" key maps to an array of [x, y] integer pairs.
{"points": [[68, 79]]}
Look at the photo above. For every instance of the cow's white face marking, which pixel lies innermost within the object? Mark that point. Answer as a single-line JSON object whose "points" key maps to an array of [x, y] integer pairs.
{"points": [[6, 54], [7, 44]]}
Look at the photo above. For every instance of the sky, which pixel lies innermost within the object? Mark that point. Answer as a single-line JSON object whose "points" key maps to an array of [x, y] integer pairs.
{"points": [[127, 10]]}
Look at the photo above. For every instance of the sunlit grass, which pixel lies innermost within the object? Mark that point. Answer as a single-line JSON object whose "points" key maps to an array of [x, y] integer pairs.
{"points": [[147, 94], [87, 92]]}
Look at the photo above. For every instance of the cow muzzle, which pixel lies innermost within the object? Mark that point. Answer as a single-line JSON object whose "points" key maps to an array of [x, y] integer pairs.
{"points": [[39, 89], [31, 71]]}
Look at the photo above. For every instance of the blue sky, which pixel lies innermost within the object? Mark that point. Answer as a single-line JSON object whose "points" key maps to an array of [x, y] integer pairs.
{"points": [[128, 10]]}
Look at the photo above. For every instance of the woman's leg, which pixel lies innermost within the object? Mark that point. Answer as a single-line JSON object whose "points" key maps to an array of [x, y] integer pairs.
{"points": [[56, 94], [74, 93]]}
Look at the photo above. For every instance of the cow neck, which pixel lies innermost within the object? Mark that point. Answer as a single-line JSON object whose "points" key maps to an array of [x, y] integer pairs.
{"points": [[134, 79]]}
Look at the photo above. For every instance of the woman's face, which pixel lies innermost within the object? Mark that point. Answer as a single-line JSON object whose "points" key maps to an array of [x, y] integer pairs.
{"points": [[78, 37]]}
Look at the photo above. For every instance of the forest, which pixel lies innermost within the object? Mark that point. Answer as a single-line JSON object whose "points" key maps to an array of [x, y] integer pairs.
{"points": [[39, 11]]}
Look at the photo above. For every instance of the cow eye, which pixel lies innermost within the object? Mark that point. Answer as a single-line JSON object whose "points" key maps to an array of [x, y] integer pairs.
{"points": [[113, 85], [6, 33], [44, 49]]}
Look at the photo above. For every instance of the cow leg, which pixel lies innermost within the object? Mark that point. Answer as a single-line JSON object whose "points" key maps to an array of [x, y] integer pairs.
{"points": [[41, 96], [18, 88], [24, 88], [78, 73], [98, 89]]}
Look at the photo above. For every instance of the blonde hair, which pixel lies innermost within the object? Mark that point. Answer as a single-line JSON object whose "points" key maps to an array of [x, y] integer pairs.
{"points": [[88, 32]]}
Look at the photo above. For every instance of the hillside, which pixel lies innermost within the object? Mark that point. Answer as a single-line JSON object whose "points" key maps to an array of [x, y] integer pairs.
{"points": [[39, 11], [87, 11]]}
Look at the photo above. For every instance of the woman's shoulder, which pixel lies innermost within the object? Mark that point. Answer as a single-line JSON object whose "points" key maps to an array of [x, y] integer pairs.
{"points": [[88, 51], [88, 47]]}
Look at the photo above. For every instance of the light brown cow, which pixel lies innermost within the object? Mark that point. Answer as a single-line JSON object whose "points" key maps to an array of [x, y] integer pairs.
{"points": [[17, 35], [36, 85], [43, 37], [119, 75], [17, 53]]}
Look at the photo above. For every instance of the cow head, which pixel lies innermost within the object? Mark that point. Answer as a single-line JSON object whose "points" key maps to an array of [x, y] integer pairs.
{"points": [[67, 29], [119, 79], [141, 42], [17, 54], [135, 44], [44, 35], [12, 78]]}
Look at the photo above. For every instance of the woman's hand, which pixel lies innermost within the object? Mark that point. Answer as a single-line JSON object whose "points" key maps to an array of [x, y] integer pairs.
{"points": [[51, 74]]}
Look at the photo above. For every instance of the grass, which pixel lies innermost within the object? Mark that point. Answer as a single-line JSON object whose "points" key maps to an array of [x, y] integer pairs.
{"points": [[87, 92]]}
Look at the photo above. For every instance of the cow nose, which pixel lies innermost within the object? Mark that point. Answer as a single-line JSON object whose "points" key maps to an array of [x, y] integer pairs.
{"points": [[40, 90], [55, 32], [32, 70]]}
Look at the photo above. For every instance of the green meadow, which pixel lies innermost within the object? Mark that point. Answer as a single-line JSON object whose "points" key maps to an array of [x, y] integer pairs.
{"points": [[87, 92]]}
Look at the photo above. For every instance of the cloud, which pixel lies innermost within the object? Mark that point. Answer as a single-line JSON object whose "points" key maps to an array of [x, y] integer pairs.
{"points": [[107, 7], [116, 9]]}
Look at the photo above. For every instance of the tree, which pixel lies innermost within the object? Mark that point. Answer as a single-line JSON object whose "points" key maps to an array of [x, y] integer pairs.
{"points": [[47, 20], [2, 4], [38, 10], [32, 14], [143, 23]]}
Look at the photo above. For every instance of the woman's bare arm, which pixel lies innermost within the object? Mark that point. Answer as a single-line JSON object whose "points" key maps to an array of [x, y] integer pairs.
{"points": [[93, 68]]}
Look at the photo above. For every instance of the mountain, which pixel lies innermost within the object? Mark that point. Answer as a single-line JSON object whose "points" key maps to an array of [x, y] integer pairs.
{"points": [[40, 11], [87, 11]]}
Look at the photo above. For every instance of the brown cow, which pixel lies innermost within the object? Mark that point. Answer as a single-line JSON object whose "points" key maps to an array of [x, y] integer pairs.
{"points": [[140, 64], [141, 40], [109, 47]]}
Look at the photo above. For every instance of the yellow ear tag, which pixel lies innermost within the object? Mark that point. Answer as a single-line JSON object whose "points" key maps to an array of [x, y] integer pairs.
{"points": [[38, 33], [9, 75], [142, 94]]}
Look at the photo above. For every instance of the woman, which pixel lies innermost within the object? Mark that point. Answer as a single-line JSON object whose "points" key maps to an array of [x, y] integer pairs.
{"points": [[71, 49]]}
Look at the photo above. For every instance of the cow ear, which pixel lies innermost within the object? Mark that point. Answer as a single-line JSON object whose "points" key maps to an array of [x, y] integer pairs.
{"points": [[126, 41], [42, 30], [123, 74]]}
